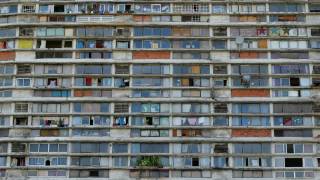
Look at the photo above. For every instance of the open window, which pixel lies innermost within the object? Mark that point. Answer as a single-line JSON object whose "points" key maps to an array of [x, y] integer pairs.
{"points": [[58, 8], [121, 82], [52, 82], [121, 121], [18, 161], [293, 162], [21, 121]]}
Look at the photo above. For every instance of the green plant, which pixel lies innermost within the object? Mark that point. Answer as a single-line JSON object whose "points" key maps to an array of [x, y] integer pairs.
{"points": [[151, 161]]}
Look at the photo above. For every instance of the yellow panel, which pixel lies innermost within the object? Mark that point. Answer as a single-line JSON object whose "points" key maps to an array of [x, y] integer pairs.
{"points": [[25, 44]]}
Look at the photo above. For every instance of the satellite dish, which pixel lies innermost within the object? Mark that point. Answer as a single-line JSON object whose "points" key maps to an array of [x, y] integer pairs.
{"points": [[239, 40]]}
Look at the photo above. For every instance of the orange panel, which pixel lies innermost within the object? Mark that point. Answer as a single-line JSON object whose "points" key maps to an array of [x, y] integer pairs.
{"points": [[151, 55], [77, 93], [263, 43], [251, 133], [248, 55], [251, 18], [5, 56], [174, 133], [250, 93]]}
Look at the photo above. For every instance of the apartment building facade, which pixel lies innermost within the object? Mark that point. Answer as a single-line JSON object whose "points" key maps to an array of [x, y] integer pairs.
{"points": [[159, 89]]}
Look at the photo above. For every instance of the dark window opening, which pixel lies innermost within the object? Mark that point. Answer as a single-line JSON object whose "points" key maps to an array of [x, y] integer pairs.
{"points": [[290, 148], [68, 44], [47, 162], [294, 82], [21, 121], [93, 173], [52, 82], [149, 121], [53, 44], [195, 161], [58, 8], [293, 162]]}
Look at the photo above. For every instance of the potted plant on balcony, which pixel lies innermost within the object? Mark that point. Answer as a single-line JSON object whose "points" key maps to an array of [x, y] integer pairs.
{"points": [[149, 161]]}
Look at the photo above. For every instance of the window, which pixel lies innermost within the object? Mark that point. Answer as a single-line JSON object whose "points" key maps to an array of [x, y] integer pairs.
{"points": [[119, 148], [252, 161], [90, 121], [120, 161], [149, 148], [89, 147], [250, 121], [252, 174], [23, 69], [28, 8], [252, 148], [20, 107], [250, 108], [219, 9], [91, 107], [289, 7], [314, 7]]}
